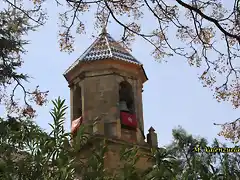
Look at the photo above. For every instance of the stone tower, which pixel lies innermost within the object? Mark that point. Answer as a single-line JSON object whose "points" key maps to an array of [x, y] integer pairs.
{"points": [[106, 95]]}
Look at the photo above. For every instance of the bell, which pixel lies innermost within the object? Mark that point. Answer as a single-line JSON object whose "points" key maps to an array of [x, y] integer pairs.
{"points": [[123, 106]]}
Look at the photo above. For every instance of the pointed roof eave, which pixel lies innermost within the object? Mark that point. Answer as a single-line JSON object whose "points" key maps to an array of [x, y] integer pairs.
{"points": [[144, 72]]}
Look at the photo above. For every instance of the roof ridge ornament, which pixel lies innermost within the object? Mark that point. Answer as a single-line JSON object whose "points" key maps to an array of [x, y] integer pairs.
{"points": [[104, 30]]}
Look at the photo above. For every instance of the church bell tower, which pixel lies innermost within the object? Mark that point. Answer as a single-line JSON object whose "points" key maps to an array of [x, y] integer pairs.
{"points": [[106, 93]]}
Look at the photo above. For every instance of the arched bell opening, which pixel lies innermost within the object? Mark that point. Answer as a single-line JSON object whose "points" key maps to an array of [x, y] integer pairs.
{"points": [[126, 106], [126, 98]]}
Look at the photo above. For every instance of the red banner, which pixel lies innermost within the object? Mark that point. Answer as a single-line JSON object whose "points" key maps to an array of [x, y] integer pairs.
{"points": [[76, 124], [128, 119]]}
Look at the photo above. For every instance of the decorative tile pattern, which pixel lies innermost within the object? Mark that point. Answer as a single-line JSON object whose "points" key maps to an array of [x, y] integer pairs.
{"points": [[105, 47]]}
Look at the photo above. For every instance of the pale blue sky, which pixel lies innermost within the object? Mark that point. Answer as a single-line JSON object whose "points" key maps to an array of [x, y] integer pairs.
{"points": [[172, 96]]}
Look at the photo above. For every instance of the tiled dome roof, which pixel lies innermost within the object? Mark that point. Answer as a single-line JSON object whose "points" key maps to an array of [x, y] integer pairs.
{"points": [[105, 47]]}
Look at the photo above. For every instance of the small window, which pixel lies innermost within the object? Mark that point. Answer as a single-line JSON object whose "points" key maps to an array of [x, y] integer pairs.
{"points": [[77, 102]]}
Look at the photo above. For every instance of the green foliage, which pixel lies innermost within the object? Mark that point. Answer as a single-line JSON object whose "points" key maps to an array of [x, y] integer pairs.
{"points": [[94, 166], [27, 152], [166, 165], [129, 157], [202, 164], [18, 141], [11, 45], [16, 21]]}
